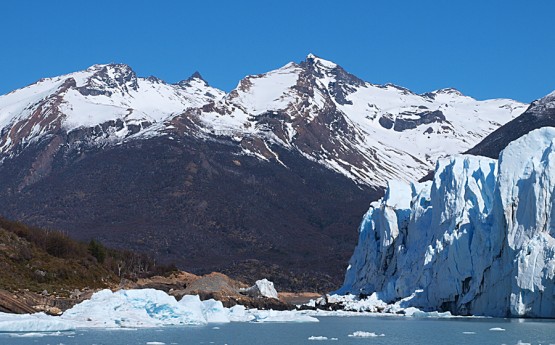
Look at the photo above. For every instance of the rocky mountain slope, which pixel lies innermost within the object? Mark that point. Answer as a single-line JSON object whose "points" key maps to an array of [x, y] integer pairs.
{"points": [[270, 177], [476, 240], [541, 113]]}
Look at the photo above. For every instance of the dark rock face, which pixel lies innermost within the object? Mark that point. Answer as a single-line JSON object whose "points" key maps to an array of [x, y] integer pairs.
{"points": [[386, 122], [193, 202], [538, 115], [400, 124], [425, 118]]}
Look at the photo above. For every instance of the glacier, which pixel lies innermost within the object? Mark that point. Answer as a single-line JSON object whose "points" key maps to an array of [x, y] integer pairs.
{"points": [[143, 308], [479, 239]]}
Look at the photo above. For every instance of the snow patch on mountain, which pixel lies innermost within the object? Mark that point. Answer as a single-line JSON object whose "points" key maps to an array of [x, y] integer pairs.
{"points": [[478, 239]]}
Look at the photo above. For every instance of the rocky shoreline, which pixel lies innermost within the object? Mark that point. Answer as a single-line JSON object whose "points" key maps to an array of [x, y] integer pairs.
{"points": [[215, 285]]}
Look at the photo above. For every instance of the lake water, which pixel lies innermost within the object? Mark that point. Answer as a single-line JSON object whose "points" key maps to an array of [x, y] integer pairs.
{"points": [[395, 330]]}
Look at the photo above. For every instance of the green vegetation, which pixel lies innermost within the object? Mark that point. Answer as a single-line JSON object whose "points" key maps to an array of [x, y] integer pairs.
{"points": [[97, 250], [38, 260]]}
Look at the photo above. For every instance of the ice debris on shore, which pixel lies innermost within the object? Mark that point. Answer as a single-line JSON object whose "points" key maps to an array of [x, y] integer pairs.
{"points": [[348, 305], [143, 308], [262, 288], [477, 240]]}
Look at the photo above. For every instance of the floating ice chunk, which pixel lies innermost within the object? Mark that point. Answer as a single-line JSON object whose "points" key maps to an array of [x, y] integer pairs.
{"points": [[28, 323], [155, 343], [214, 311], [41, 334], [194, 305], [238, 313], [414, 312], [362, 334], [469, 332], [497, 329], [317, 337], [281, 316]]}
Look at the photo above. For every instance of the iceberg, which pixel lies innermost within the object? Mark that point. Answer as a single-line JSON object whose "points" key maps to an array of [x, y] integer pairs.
{"points": [[477, 240], [131, 309]]}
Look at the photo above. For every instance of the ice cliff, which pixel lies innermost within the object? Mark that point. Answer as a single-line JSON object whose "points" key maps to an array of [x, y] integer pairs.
{"points": [[479, 239]]}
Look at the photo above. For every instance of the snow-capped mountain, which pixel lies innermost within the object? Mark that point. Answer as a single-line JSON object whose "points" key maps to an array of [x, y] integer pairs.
{"points": [[369, 133], [109, 99], [271, 177], [478, 239], [541, 113]]}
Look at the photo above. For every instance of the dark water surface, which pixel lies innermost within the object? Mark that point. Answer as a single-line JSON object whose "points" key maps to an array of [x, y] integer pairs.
{"points": [[395, 330]]}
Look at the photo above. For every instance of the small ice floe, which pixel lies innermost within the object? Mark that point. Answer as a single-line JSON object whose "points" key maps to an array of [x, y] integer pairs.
{"points": [[469, 332], [317, 337], [321, 337], [216, 327], [281, 316], [522, 343], [40, 334], [497, 329], [362, 334], [155, 343]]}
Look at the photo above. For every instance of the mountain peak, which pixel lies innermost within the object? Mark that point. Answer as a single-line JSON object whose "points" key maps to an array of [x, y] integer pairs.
{"points": [[448, 91], [112, 66], [195, 77], [109, 78], [312, 59], [547, 99]]}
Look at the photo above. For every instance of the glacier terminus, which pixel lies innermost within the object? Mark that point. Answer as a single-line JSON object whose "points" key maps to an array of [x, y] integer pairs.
{"points": [[477, 240]]}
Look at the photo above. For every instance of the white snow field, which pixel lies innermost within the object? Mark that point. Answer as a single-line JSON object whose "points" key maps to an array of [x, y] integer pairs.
{"points": [[479, 239]]}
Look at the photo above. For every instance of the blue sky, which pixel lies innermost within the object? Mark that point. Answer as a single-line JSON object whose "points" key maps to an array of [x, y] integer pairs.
{"points": [[486, 49]]}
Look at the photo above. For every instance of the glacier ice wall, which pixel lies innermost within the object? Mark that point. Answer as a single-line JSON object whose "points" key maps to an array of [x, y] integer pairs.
{"points": [[478, 239]]}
